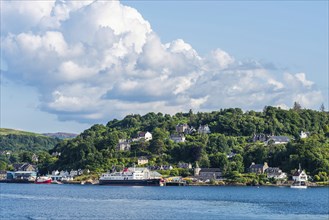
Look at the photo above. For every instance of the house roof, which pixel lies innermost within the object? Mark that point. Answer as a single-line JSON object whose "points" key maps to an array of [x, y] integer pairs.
{"points": [[273, 170], [141, 134], [297, 173], [142, 158], [210, 170], [280, 138], [257, 166], [22, 166]]}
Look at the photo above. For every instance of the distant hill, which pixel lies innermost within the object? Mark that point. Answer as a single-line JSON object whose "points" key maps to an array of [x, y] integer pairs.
{"points": [[61, 135], [16, 140], [7, 131]]}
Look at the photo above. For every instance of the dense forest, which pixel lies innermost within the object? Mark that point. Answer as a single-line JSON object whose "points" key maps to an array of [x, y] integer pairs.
{"points": [[232, 131], [19, 146], [14, 140]]}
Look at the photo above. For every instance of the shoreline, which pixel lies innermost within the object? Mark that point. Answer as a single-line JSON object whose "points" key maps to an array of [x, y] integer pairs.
{"points": [[312, 185]]}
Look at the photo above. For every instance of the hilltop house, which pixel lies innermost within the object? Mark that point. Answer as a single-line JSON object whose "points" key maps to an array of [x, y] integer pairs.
{"points": [[177, 138], [304, 134], [204, 129], [259, 137], [277, 140], [142, 160], [147, 136], [230, 155], [182, 128], [123, 145], [258, 168]]}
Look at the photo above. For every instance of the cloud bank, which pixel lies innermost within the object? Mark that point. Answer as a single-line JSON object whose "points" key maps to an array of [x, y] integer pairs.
{"points": [[96, 60]]}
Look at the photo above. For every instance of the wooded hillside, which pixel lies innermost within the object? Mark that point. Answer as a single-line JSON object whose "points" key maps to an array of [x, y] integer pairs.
{"points": [[232, 132]]}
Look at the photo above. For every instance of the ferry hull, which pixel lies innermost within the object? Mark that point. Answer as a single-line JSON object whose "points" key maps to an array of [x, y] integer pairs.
{"points": [[149, 182]]}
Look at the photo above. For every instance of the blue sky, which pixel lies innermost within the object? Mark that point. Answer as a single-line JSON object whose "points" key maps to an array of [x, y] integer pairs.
{"points": [[68, 65]]}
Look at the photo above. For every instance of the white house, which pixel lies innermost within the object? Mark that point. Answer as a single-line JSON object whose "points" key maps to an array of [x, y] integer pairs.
{"points": [[299, 175], [147, 136], [304, 134]]}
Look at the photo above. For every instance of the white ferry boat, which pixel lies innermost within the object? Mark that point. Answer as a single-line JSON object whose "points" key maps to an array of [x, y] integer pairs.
{"points": [[300, 179], [132, 176]]}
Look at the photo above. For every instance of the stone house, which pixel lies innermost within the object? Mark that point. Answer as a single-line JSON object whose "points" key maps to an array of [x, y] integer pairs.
{"points": [[177, 138], [182, 128], [204, 129], [24, 167], [258, 168], [123, 145], [276, 173], [209, 174]]}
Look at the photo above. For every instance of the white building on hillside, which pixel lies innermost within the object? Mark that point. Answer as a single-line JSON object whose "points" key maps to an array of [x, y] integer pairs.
{"points": [[147, 136]]}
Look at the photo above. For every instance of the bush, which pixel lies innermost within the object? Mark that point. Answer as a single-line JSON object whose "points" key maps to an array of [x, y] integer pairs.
{"points": [[174, 172]]}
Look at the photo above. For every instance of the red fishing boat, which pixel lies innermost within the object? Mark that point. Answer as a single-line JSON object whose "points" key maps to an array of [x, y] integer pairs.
{"points": [[43, 180]]}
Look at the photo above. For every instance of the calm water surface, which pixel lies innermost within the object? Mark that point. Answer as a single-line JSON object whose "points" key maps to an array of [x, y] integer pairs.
{"points": [[32, 201]]}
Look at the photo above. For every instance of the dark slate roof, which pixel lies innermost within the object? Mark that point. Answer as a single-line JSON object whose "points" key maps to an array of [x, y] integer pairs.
{"points": [[142, 158], [22, 166], [273, 170], [210, 170], [297, 173], [280, 138], [141, 134], [258, 166]]}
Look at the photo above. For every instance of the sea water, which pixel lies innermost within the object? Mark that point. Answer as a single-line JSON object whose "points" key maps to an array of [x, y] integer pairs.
{"points": [[32, 201]]}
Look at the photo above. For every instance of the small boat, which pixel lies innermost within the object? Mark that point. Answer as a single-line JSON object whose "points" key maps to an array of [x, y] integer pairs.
{"points": [[299, 185], [43, 180]]}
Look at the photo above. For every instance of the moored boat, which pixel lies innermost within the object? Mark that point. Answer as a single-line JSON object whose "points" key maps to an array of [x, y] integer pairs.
{"points": [[299, 185], [132, 176], [43, 180]]}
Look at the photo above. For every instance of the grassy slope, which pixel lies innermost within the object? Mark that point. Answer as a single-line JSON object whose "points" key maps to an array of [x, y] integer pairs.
{"points": [[7, 131]]}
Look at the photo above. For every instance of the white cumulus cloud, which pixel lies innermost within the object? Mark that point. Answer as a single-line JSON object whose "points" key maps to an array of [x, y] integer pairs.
{"points": [[95, 60]]}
